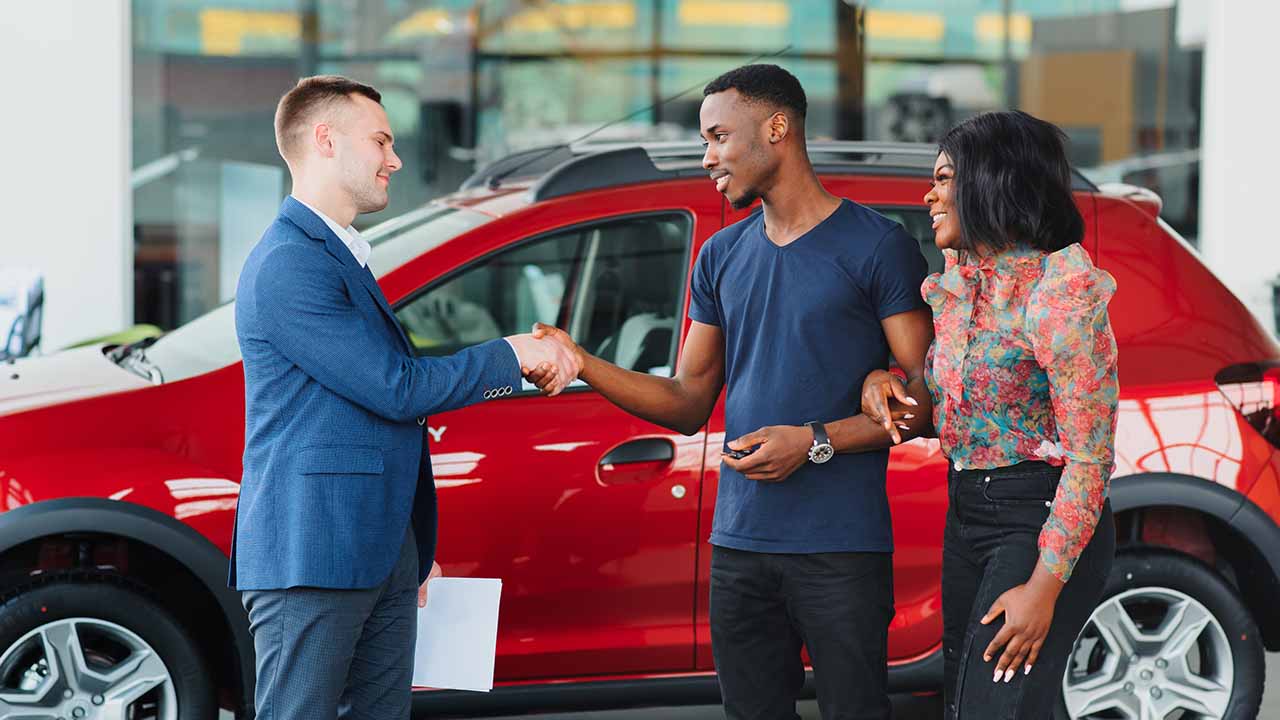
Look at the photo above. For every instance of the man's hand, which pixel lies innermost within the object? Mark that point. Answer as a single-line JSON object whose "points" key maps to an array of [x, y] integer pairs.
{"points": [[556, 365], [422, 591], [782, 450], [884, 401], [1028, 612], [544, 377]]}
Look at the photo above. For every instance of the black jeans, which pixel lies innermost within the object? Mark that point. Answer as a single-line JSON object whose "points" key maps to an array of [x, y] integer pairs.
{"points": [[989, 546], [764, 606]]}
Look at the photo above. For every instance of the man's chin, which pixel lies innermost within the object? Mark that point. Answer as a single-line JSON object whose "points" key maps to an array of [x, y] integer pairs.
{"points": [[374, 205], [742, 202]]}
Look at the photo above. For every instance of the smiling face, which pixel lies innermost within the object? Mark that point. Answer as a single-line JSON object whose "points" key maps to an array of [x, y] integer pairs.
{"points": [[946, 226], [738, 158], [364, 149]]}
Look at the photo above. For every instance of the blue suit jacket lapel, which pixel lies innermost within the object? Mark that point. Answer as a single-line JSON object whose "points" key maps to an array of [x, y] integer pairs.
{"points": [[317, 229]]}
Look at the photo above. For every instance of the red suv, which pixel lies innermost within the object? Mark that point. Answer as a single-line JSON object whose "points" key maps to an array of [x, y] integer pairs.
{"points": [[119, 465]]}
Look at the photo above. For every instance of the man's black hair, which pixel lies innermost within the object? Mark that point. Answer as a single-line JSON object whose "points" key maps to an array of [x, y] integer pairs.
{"points": [[767, 84]]}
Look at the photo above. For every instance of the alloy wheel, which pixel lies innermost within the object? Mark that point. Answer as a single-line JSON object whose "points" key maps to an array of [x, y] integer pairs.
{"points": [[1150, 653], [84, 669]]}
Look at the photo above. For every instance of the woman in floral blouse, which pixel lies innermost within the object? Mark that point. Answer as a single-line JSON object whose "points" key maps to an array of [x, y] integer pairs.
{"points": [[1022, 374]]}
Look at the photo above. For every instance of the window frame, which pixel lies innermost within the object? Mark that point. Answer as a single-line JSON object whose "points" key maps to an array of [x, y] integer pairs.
{"points": [[572, 288]]}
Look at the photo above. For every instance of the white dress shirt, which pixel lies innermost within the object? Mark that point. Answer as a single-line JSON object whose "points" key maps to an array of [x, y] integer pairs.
{"points": [[349, 236]]}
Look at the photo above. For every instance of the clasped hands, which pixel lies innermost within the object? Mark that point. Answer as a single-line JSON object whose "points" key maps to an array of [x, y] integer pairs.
{"points": [[549, 358]]}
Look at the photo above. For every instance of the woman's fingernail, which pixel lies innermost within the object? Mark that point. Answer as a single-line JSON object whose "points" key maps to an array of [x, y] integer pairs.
{"points": [[907, 416], [1027, 671], [911, 401], [996, 676], [904, 426], [1008, 675]]}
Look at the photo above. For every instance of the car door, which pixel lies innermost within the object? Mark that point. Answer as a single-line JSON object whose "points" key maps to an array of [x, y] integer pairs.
{"points": [[587, 514]]}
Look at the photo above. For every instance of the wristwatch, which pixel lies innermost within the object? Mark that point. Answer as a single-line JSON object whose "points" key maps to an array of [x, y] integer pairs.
{"points": [[821, 450]]}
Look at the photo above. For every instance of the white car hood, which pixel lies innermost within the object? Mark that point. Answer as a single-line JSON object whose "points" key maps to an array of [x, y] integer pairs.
{"points": [[68, 375]]}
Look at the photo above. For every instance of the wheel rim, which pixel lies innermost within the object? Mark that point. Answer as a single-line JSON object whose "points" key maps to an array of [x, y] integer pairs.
{"points": [[85, 669], [1146, 654]]}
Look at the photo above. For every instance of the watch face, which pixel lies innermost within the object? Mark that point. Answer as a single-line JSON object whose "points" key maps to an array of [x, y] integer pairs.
{"points": [[821, 453]]}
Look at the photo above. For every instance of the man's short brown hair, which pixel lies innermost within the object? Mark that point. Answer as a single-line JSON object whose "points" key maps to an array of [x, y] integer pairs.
{"points": [[310, 97]]}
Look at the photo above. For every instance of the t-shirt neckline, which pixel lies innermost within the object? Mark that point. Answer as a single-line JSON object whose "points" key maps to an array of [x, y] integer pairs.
{"points": [[783, 248]]}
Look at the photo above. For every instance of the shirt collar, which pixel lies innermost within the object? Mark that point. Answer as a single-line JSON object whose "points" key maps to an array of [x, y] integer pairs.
{"points": [[349, 236]]}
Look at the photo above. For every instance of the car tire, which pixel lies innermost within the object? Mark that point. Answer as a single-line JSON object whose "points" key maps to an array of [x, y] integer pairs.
{"points": [[130, 651], [1166, 594]]}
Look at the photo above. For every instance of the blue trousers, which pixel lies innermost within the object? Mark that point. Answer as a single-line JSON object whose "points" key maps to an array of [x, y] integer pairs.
{"points": [[324, 653]]}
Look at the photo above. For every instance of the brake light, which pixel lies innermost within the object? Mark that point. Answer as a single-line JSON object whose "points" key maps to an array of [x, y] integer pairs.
{"points": [[1253, 389]]}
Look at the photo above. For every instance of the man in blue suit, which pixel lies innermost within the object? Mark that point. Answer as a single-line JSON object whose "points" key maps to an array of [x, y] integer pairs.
{"points": [[336, 523]]}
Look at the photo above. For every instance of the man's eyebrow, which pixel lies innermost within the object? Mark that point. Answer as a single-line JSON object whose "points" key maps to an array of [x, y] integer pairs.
{"points": [[712, 130], [386, 135]]}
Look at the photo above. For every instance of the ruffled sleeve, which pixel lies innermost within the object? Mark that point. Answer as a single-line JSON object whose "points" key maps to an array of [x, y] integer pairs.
{"points": [[1070, 332], [951, 295]]}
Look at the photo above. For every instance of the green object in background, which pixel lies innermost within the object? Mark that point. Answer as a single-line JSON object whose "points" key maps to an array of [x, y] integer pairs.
{"points": [[133, 334]]}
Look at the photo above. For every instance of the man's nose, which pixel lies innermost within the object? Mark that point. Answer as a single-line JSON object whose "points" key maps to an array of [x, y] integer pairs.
{"points": [[393, 161], [709, 159]]}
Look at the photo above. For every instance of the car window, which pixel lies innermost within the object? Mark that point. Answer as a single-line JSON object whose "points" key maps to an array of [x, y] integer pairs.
{"points": [[616, 286]]}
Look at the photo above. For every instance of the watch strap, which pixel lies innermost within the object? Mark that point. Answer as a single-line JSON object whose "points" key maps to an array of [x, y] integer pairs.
{"points": [[820, 436]]}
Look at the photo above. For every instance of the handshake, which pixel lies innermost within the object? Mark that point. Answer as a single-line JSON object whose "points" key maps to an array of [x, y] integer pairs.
{"points": [[549, 358]]}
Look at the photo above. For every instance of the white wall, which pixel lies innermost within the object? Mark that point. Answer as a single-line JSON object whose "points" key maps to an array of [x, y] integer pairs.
{"points": [[66, 133], [1239, 224]]}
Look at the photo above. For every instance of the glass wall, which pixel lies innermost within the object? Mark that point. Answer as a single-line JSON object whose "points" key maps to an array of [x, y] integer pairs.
{"points": [[466, 81]]}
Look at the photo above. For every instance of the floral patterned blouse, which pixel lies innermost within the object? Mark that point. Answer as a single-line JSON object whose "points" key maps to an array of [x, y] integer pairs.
{"points": [[1023, 367]]}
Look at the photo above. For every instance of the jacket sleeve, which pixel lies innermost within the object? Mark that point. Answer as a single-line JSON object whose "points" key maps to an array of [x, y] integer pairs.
{"points": [[307, 315]]}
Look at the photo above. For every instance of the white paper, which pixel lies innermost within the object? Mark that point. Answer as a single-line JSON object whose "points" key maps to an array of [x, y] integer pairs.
{"points": [[457, 634]]}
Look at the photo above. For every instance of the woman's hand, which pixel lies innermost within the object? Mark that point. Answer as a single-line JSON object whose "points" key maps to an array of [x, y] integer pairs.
{"points": [[1028, 613], [885, 401]]}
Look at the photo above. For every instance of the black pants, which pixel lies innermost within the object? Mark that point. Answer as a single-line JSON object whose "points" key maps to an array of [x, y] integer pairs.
{"points": [[765, 606], [990, 546]]}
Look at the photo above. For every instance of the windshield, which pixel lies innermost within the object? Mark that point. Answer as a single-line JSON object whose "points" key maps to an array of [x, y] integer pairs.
{"points": [[209, 342]]}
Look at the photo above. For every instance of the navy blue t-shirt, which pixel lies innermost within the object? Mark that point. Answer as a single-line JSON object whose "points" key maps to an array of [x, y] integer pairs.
{"points": [[802, 331]]}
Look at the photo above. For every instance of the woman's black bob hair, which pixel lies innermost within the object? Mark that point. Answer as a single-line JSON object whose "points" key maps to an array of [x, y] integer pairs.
{"points": [[1012, 183]]}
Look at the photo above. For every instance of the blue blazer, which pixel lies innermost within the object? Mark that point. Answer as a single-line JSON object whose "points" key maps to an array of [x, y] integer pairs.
{"points": [[335, 460]]}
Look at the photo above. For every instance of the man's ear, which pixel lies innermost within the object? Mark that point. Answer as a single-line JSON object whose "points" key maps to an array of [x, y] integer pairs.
{"points": [[779, 127], [322, 137]]}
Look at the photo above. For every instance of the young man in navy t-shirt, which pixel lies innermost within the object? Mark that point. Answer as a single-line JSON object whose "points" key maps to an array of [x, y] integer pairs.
{"points": [[792, 307]]}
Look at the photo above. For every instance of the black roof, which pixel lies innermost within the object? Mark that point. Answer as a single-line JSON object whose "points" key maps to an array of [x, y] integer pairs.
{"points": [[560, 170]]}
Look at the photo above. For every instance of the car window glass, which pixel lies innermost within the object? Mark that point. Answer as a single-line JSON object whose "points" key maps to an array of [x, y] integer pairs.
{"points": [[503, 295], [616, 286]]}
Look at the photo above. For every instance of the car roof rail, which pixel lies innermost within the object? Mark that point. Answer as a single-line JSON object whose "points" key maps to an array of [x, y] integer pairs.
{"points": [[610, 168], [565, 169], [524, 164]]}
